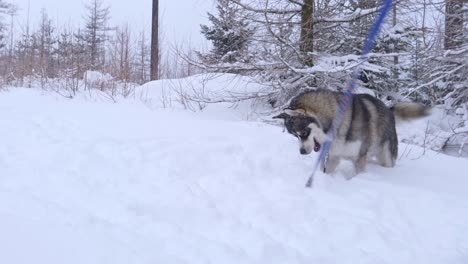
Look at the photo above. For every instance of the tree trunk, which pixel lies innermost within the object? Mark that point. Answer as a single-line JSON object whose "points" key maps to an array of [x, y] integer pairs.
{"points": [[453, 24], [395, 58], [154, 42], [307, 31], [394, 22]]}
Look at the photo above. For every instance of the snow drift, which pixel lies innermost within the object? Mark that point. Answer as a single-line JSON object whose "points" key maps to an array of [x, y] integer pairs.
{"points": [[100, 182]]}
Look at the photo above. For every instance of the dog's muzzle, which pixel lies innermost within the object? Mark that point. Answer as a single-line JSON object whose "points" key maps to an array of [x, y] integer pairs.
{"points": [[316, 146]]}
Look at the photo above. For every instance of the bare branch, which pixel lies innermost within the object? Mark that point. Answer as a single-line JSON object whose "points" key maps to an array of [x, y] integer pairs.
{"points": [[268, 10]]}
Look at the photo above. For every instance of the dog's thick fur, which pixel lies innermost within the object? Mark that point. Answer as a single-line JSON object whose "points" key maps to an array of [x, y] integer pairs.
{"points": [[367, 129]]}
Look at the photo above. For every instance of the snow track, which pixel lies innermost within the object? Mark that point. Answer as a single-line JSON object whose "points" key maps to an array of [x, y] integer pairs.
{"points": [[90, 182]]}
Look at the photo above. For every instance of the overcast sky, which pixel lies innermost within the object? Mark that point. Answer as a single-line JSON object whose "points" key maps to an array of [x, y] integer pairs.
{"points": [[180, 19]]}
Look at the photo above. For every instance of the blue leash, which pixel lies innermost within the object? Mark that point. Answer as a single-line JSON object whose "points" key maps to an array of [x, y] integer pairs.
{"points": [[344, 103]]}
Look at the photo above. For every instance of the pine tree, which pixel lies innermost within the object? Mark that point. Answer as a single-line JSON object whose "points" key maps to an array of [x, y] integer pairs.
{"points": [[95, 33], [455, 59], [64, 51], [25, 50], [46, 46], [229, 34], [142, 61], [4, 7], [454, 24], [80, 58], [122, 54]]}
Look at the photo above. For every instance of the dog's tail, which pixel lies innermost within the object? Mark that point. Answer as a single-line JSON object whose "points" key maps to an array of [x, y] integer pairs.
{"points": [[407, 110]]}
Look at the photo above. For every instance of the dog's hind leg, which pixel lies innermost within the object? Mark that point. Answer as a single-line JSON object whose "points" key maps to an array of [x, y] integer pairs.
{"points": [[359, 164], [385, 157], [361, 161]]}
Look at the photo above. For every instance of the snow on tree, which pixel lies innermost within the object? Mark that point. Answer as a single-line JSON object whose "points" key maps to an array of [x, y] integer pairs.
{"points": [[46, 43], [95, 33], [229, 34], [306, 44], [4, 8], [301, 44]]}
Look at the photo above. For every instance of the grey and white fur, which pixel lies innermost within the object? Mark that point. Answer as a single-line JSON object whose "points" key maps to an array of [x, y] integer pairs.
{"points": [[367, 129]]}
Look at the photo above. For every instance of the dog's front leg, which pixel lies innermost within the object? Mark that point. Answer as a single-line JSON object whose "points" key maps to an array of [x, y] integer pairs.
{"points": [[332, 163], [329, 164]]}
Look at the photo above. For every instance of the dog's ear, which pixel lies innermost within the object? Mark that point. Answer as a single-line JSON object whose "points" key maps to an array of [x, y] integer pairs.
{"points": [[285, 118], [282, 116], [295, 112]]}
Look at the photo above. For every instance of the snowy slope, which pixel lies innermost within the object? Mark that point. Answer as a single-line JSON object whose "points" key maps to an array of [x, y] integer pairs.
{"points": [[193, 92], [96, 182]]}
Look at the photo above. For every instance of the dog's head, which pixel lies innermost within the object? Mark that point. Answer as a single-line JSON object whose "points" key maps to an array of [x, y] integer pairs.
{"points": [[305, 127]]}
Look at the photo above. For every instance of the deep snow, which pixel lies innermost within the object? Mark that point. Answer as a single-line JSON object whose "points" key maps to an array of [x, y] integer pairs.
{"points": [[98, 182]]}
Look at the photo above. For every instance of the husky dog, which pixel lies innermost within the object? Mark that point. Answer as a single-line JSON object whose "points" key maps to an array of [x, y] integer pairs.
{"points": [[367, 129]]}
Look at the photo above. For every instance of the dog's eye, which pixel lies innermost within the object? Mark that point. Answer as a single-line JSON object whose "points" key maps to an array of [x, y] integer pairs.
{"points": [[304, 135]]}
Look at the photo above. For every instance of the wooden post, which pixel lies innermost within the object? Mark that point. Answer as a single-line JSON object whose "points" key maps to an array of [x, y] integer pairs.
{"points": [[154, 42]]}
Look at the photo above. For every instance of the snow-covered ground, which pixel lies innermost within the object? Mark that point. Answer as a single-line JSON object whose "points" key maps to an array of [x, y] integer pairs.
{"points": [[86, 181]]}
